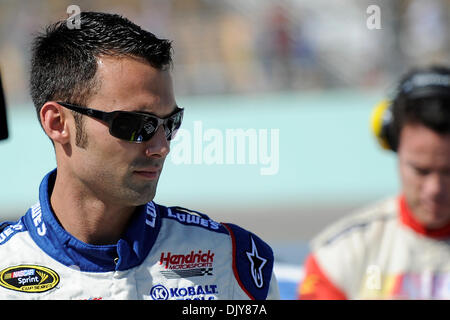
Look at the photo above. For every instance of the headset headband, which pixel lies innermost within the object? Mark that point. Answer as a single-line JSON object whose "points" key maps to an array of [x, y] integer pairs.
{"points": [[426, 84]]}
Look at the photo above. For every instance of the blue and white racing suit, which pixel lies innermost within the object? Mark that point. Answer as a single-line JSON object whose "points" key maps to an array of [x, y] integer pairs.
{"points": [[166, 253]]}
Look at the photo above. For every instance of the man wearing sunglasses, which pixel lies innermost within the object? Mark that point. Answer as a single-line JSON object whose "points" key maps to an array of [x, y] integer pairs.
{"points": [[103, 95]]}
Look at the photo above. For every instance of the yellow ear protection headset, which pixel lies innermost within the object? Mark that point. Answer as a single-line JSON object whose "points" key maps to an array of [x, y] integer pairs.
{"points": [[380, 121], [420, 84]]}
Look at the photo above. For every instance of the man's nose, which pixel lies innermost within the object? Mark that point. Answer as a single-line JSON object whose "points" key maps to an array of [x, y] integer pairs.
{"points": [[158, 146], [434, 185]]}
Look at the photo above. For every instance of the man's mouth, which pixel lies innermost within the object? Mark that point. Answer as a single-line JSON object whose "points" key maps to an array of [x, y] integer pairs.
{"points": [[151, 174], [435, 208]]}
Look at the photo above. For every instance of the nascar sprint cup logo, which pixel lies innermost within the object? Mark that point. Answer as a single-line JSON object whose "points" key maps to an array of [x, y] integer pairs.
{"points": [[193, 264], [28, 278]]}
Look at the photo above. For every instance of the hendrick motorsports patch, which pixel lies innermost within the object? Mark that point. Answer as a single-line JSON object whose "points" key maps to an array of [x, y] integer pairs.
{"points": [[28, 278]]}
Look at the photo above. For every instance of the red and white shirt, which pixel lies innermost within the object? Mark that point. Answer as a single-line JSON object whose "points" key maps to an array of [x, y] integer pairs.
{"points": [[382, 252]]}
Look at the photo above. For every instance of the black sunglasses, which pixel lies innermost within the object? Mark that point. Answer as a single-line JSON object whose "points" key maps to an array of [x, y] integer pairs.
{"points": [[133, 126]]}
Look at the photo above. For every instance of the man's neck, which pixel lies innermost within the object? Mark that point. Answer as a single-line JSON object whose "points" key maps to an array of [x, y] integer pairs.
{"points": [[409, 219], [85, 216]]}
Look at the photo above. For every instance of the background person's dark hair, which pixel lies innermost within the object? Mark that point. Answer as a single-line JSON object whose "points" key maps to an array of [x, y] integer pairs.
{"points": [[430, 108], [64, 61]]}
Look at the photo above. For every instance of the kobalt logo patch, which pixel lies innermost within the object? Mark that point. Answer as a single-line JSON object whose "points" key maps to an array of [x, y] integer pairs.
{"points": [[28, 278], [159, 292], [198, 292]]}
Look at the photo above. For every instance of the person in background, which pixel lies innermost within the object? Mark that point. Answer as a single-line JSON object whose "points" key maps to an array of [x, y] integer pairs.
{"points": [[398, 248]]}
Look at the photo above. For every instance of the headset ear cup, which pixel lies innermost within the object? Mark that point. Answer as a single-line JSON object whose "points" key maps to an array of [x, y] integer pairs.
{"points": [[380, 123]]}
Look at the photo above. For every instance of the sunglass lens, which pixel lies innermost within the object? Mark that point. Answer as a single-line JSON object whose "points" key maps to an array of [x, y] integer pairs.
{"points": [[138, 128], [126, 127], [173, 125]]}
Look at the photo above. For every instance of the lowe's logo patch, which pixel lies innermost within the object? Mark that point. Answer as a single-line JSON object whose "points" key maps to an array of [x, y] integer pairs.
{"points": [[28, 278], [188, 218], [9, 231]]}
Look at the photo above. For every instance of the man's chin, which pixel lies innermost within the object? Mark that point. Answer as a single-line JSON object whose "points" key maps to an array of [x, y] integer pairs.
{"points": [[433, 220], [145, 198], [139, 196], [139, 191]]}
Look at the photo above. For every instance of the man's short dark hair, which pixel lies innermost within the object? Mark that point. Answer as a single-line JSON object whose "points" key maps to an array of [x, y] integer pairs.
{"points": [[423, 97], [64, 60]]}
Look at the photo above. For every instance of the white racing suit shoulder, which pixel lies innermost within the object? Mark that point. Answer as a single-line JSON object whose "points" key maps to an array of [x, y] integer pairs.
{"points": [[371, 254], [356, 222]]}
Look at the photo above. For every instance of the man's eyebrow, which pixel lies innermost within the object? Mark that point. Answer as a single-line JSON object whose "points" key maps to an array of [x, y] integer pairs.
{"points": [[415, 164], [142, 108]]}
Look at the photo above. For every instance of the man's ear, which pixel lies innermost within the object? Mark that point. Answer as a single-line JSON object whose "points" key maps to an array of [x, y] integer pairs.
{"points": [[54, 122]]}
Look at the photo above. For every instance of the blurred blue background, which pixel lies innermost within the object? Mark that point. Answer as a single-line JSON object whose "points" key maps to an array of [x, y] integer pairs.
{"points": [[311, 70]]}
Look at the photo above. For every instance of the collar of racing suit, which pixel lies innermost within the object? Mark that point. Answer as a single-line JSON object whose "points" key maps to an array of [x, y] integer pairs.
{"points": [[407, 218], [128, 252]]}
